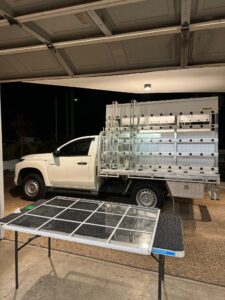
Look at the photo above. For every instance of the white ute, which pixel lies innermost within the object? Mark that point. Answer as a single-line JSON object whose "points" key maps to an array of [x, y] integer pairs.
{"points": [[146, 150]]}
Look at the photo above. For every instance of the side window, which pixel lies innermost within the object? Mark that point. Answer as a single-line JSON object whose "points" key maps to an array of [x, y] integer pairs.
{"points": [[76, 148]]}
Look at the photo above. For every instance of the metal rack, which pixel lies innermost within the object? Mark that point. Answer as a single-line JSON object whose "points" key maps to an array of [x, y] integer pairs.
{"points": [[146, 139]]}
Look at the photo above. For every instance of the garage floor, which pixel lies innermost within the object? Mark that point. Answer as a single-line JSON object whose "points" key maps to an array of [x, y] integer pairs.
{"points": [[204, 232], [67, 277]]}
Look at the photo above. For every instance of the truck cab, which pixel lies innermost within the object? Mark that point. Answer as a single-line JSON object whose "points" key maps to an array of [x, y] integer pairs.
{"points": [[71, 166]]}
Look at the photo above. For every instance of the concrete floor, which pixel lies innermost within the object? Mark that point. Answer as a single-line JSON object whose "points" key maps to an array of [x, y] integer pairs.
{"points": [[204, 232], [68, 277]]}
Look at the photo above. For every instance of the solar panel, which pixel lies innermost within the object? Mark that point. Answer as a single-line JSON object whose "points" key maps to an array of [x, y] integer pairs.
{"points": [[105, 224]]}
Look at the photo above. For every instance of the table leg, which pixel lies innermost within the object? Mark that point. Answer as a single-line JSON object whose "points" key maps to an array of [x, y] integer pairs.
{"points": [[16, 260], [163, 266], [160, 276], [49, 247]]}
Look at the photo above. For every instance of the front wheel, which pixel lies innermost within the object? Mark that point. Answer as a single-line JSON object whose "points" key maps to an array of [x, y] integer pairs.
{"points": [[147, 195], [33, 187]]}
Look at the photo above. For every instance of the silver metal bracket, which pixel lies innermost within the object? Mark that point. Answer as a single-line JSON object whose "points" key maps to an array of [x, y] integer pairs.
{"points": [[214, 193]]}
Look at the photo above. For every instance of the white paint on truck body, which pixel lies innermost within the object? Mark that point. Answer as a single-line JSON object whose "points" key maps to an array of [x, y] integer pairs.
{"points": [[64, 171]]}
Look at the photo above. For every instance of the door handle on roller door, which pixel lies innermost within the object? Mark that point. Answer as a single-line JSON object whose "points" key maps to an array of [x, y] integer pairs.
{"points": [[82, 163]]}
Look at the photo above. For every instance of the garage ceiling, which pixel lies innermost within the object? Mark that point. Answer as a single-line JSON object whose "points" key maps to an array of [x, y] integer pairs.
{"points": [[42, 40]]}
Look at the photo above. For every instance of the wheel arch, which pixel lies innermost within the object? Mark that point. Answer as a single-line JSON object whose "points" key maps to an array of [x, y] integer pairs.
{"points": [[26, 171], [33, 186], [161, 184], [157, 186]]}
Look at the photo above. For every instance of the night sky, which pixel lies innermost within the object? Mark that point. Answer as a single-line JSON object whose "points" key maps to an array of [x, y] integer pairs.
{"points": [[40, 104]]}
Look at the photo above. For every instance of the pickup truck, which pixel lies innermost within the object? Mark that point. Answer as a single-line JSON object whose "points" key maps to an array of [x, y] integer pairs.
{"points": [[73, 166], [146, 150]]}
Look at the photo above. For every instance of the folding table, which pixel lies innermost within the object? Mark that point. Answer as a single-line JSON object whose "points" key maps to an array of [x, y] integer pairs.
{"points": [[104, 224]]}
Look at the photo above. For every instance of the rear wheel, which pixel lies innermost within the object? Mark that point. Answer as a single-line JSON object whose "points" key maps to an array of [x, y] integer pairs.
{"points": [[147, 195], [33, 187]]}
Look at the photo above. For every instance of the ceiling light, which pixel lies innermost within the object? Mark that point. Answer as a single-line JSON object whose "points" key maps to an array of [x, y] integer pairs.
{"points": [[147, 87]]}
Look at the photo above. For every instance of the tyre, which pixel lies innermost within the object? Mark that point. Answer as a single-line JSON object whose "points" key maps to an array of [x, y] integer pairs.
{"points": [[33, 187], [147, 195]]}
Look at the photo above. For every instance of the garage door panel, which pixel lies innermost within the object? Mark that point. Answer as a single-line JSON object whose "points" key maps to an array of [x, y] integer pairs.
{"points": [[28, 6], [208, 46], [71, 27], [29, 65], [126, 55], [205, 9], [97, 58], [142, 15], [146, 51], [13, 36], [90, 58]]}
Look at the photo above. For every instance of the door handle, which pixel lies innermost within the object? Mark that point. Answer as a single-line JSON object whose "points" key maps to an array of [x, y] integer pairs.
{"points": [[82, 163]]}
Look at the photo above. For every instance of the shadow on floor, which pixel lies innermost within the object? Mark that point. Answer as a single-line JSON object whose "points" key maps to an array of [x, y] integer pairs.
{"points": [[189, 212], [77, 286], [15, 191]]}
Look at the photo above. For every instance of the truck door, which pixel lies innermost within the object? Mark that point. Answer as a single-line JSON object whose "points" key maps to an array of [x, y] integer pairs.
{"points": [[71, 167]]}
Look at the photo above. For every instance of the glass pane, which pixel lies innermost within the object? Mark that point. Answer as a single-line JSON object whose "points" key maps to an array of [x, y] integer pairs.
{"points": [[85, 205], [92, 231], [113, 208], [104, 219], [60, 202], [131, 239], [29, 221], [138, 212], [74, 215], [60, 226], [138, 224], [32, 205], [8, 218], [46, 211]]}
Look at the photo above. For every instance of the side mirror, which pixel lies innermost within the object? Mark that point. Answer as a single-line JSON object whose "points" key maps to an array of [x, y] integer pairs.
{"points": [[56, 152]]}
